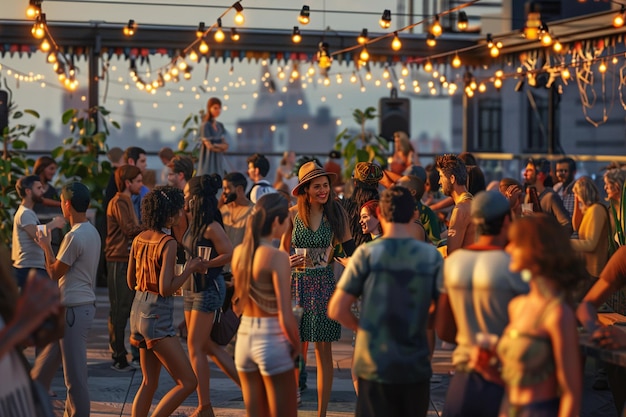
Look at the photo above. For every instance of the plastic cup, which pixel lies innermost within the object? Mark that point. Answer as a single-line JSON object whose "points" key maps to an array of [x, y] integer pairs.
{"points": [[179, 270], [204, 252], [487, 344], [42, 229], [527, 207], [301, 252]]}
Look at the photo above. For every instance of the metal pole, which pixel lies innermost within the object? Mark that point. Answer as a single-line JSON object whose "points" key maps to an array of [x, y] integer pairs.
{"points": [[466, 122], [94, 77], [552, 120]]}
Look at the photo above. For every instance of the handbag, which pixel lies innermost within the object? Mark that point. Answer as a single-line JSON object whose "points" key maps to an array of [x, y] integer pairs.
{"points": [[225, 325]]}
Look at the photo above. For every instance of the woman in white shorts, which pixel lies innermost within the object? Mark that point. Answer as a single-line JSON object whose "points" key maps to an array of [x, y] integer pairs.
{"points": [[267, 339]]}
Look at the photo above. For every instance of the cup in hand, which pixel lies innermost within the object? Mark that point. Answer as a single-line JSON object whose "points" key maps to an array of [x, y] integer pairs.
{"points": [[301, 252], [42, 229], [487, 344], [527, 208], [178, 270], [205, 253]]}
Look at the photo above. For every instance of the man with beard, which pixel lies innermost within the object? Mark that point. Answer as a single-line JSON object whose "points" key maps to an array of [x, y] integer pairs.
{"points": [[537, 176], [26, 254], [566, 174], [453, 180]]}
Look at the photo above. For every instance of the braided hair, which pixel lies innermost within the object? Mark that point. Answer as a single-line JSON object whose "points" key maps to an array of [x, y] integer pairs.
{"points": [[202, 205]]}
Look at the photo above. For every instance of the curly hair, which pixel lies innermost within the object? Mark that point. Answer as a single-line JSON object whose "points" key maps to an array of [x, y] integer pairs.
{"points": [[160, 205], [547, 250], [452, 165], [202, 205]]}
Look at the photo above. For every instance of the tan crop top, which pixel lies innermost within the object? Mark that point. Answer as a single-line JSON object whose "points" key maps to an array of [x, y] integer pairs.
{"points": [[264, 296], [148, 258], [527, 358]]}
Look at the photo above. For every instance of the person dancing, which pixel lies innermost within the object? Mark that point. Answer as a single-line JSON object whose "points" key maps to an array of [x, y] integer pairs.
{"points": [[151, 272], [206, 229], [268, 339]]}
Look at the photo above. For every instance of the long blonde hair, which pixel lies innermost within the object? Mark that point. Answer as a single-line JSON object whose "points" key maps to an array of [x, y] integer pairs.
{"points": [[258, 225]]}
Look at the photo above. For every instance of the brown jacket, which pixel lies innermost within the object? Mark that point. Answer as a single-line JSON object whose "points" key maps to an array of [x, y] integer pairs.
{"points": [[122, 227]]}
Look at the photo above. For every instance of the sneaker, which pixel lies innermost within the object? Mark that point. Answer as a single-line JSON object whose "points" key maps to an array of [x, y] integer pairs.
{"points": [[122, 367]]}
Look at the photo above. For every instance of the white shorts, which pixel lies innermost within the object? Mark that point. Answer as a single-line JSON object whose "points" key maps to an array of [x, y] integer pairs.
{"points": [[262, 347]]}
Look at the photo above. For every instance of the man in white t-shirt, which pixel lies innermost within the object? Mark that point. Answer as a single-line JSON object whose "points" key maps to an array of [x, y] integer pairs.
{"points": [[25, 253], [75, 268]]}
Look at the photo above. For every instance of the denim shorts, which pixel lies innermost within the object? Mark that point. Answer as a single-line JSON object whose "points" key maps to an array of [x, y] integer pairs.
{"points": [[151, 319], [206, 301], [262, 347]]}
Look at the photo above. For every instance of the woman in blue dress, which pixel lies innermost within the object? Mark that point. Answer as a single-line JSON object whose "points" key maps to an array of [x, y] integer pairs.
{"points": [[318, 223], [213, 144]]}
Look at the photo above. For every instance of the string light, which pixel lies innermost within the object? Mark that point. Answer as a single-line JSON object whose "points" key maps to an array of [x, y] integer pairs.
{"points": [[296, 37], [396, 44], [436, 28], [602, 67], [39, 28], [239, 19], [234, 35], [456, 61], [405, 70], [462, 21], [34, 9], [618, 20], [201, 29], [304, 17], [557, 46], [362, 38], [430, 40], [364, 55], [428, 66], [130, 28], [385, 19], [219, 33], [203, 47]]}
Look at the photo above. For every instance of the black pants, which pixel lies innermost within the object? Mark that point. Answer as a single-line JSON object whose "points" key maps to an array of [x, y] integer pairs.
{"points": [[392, 400]]}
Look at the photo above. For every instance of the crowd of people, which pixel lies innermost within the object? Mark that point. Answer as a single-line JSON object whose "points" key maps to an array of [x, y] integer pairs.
{"points": [[505, 273]]}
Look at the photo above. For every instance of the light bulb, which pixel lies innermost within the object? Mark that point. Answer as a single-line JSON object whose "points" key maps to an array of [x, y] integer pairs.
{"points": [[239, 19], [436, 28], [482, 88], [602, 67], [494, 51], [364, 55], [558, 47], [618, 20], [565, 74], [497, 83], [456, 61], [396, 44], [219, 35], [405, 70], [203, 47], [45, 45], [428, 66]]}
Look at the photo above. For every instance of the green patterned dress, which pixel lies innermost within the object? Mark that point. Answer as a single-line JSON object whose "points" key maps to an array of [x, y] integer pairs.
{"points": [[313, 287]]}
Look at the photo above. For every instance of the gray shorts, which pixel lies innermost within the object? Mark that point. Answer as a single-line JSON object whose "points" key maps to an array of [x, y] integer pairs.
{"points": [[206, 301], [151, 319], [262, 347]]}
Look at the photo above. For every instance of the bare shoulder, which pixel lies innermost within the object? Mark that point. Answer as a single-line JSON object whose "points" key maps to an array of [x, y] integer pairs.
{"points": [[293, 210]]}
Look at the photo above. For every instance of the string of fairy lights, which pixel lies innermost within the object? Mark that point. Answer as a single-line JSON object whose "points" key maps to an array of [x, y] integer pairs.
{"points": [[441, 66]]}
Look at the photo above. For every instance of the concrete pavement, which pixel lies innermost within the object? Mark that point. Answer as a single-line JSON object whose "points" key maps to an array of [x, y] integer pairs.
{"points": [[112, 392]]}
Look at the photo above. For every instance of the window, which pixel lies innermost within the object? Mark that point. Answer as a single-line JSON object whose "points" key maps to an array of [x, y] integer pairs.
{"points": [[489, 137]]}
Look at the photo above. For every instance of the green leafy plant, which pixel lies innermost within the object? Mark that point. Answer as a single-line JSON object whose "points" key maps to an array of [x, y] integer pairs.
{"points": [[13, 165], [78, 155], [363, 146], [187, 145]]}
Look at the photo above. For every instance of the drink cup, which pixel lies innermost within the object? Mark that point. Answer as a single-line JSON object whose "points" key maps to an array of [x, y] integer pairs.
{"points": [[301, 252], [204, 252], [178, 271], [42, 229], [487, 344], [527, 207]]}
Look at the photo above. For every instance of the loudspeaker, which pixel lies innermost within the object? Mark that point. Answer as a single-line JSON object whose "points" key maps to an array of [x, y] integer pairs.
{"points": [[4, 110], [395, 115]]}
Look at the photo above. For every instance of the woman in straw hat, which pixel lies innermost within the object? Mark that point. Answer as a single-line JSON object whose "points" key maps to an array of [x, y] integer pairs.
{"points": [[318, 223]]}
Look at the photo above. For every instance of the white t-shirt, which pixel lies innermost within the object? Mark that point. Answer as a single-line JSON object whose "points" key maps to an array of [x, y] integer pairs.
{"points": [[259, 189], [80, 249], [25, 252], [16, 398]]}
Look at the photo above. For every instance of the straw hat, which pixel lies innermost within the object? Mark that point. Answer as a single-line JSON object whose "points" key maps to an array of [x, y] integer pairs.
{"points": [[308, 172]]}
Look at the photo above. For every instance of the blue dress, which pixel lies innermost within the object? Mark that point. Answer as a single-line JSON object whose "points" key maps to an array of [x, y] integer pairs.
{"points": [[313, 287], [212, 162]]}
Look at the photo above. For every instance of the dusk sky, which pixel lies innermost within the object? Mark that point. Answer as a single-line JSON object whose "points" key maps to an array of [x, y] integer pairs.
{"points": [[167, 109]]}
